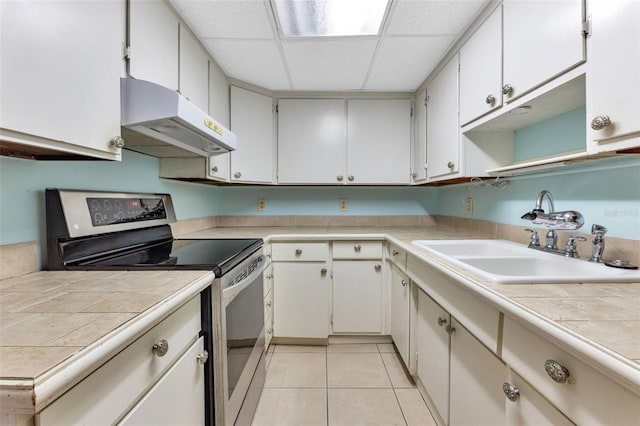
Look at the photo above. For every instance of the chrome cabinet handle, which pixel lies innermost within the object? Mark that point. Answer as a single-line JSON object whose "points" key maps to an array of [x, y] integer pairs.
{"points": [[237, 175], [450, 329], [351, 178], [441, 321], [340, 178], [404, 283], [214, 169], [357, 247], [490, 100], [450, 164], [202, 357], [600, 122], [377, 267], [512, 392], [298, 252], [116, 142], [507, 89], [556, 371], [161, 348]]}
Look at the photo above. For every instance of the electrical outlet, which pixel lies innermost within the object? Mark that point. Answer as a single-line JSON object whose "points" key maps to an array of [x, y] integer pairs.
{"points": [[262, 204], [344, 204], [468, 202]]}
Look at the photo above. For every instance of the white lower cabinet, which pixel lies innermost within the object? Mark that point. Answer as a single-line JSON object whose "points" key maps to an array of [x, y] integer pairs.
{"points": [[476, 378], [177, 398], [142, 377], [432, 346], [357, 296], [400, 312]]}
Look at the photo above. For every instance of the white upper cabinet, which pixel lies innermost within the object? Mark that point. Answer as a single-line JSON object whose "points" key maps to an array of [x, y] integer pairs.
{"points": [[613, 76], [419, 150], [379, 138], [312, 141], [60, 79], [153, 40], [252, 122], [194, 69], [443, 134], [542, 39], [481, 70]]}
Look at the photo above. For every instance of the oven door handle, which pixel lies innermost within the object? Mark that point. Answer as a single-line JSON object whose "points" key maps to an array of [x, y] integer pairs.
{"points": [[229, 293]]}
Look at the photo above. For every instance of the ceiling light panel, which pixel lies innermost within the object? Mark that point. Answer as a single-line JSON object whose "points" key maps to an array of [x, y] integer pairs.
{"points": [[403, 63], [433, 17], [330, 64], [227, 18], [327, 18]]}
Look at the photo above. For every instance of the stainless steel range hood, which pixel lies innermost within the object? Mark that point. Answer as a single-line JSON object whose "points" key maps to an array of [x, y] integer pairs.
{"points": [[160, 122]]}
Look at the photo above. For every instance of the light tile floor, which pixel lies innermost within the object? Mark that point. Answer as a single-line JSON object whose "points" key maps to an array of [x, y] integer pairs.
{"points": [[341, 384]]}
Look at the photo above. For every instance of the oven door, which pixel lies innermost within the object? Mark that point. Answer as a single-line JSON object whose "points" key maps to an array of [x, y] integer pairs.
{"points": [[242, 341]]}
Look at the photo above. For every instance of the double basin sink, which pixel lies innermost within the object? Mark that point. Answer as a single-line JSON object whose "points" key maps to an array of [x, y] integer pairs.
{"points": [[506, 262]]}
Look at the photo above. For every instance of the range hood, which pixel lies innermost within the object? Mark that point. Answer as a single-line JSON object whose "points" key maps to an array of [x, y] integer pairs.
{"points": [[161, 122]]}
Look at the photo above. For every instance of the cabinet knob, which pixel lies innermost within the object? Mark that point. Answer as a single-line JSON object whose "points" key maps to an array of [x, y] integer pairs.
{"points": [[414, 175], [237, 175], [351, 178], [161, 348], [441, 321], [269, 304], [507, 89], [269, 276], [490, 100], [298, 252], [377, 267], [556, 371], [116, 142], [450, 329], [357, 247], [214, 169], [450, 164], [323, 271], [600, 122], [404, 283], [339, 178], [394, 253], [202, 357], [269, 331], [512, 392]]}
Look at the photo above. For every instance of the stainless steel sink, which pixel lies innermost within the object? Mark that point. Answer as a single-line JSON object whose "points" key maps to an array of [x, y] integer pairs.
{"points": [[510, 263]]}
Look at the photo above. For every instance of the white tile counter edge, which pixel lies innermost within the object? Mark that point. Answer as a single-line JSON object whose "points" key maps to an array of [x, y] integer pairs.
{"points": [[29, 397]]}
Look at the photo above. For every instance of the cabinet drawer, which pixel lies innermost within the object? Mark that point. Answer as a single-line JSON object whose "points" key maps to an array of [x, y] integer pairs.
{"points": [[588, 396], [477, 316], [108, 392], [300, 251], [268, 279], [398, 256], [357, 250]]}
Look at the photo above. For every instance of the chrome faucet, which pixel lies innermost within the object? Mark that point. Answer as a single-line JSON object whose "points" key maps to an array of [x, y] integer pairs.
{"points": [[598, 243]]}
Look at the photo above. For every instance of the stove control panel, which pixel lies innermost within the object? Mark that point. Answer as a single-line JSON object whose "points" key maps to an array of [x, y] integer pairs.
{"points": [[109, 210]]}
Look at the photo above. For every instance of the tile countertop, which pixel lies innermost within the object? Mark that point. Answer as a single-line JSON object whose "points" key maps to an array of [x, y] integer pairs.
{"points": [[58, 326], [597, 322]]}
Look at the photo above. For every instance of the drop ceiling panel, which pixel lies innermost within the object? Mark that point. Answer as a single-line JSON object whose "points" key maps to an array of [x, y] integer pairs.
{"points": [[227, 19], [423, 17], [403, 63], [257, 62], [329, 65]]}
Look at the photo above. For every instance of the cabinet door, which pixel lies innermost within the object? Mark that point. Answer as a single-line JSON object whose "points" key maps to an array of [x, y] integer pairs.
{"points": [[153, 38], [379, 141], [481, 70], [542, 39], [419, 152], [300, 300], [613, 74], [312, 141], [194, 69], [443, 135], [178, 397], [432, 345], [400, 299], [252, 122], [60, 79], [357, 295], [531, 408], [476, 381]]}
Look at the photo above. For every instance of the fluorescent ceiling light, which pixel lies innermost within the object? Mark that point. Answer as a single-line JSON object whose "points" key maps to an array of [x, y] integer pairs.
{"points": [[322, 18]]}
